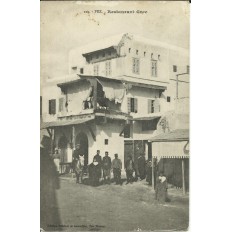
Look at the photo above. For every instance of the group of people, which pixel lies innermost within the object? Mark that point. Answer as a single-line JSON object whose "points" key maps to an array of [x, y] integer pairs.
{"points": [[102, 167]]}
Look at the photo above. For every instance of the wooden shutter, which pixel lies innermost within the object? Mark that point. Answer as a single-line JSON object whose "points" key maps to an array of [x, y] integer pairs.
{"points": [[135, 105], [133, 65], [61, 104], [137, 66], [149, 106], [156, 105], [52, 106], [129, 104], [154, 68]]}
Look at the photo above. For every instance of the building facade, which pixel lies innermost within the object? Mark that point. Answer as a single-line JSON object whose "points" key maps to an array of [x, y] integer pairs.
{"points": [[113, 96]]}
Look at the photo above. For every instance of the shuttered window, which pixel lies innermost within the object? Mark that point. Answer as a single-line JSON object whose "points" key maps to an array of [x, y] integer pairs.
{"points": [[154, 68], [132, 104], [108, 68], [174, 67], [52, 106], [135, 65], [61, 104], [153, 106], [96, 70]]}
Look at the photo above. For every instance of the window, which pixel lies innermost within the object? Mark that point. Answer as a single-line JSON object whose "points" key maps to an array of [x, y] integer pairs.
{"points": [[74, 68], [174, 68], [168, 99], [109, 53], [81, 70], [188, 69], [153, 105], [129, 50], [52, 106], [144, 54], [137, 52], [150, 124], [61, 104], [108, 68], [132, 105], [96, 70], [151, 55], [97, 56], [135, 68], [106, 141], [154, 68], [103, 54]]}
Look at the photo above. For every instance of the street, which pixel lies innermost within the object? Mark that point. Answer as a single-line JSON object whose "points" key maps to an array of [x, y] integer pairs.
{"points": [[119, 208]]}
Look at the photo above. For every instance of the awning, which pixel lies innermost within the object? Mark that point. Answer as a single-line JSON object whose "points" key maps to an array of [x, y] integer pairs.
{"points": [[146, 118], [64, 123], [174, 144], [170, 149]]}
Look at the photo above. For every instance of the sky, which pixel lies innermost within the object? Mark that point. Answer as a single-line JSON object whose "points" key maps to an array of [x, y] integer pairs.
{"points": [[65, 25]]}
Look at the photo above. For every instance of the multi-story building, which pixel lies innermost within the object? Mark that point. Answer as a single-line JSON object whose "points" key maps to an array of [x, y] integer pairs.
{"points": [[114, 96]]}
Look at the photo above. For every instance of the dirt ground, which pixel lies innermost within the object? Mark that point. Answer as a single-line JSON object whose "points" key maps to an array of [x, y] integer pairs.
{"points": [[113, 207]]}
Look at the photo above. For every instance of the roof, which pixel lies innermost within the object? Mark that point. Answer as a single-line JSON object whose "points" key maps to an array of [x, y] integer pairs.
{"points": [[173, 136], [100, 44], [58, 123], [113, 41]]}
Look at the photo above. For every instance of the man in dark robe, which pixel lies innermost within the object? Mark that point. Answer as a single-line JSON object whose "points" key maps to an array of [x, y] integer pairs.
{"points": [[130, 168], [49, 183], [97, 160], [142, 166]]}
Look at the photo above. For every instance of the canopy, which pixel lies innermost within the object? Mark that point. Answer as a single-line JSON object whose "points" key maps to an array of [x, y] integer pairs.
{"points": [[174, 144], [58, 123]]}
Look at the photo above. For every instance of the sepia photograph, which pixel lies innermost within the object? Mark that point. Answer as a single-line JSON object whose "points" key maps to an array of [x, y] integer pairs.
{"points": [[114, 115]]}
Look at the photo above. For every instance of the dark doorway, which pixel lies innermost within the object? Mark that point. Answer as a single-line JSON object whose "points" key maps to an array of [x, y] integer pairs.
{"points": [[82, 140]]}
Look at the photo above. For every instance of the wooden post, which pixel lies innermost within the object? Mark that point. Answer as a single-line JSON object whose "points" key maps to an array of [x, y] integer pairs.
{"points": [[52, 139], [183, 177], [73, 143], [152, 175]]}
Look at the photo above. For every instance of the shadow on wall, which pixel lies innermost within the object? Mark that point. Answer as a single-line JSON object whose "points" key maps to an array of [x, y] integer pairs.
{"points": [[49, 183]]}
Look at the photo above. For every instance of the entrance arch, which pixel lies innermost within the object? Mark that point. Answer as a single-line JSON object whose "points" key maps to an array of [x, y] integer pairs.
{"points": [[83, 142]]}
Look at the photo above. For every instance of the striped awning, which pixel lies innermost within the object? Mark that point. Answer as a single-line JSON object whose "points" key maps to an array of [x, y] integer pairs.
{"points": [[177, 149]]}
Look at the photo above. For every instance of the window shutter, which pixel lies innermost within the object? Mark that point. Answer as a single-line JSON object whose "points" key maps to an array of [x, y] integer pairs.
{"points": [[129, 104], [137, 64], [109, 68], [133, 65], [156, 105], [52, 106], [149, 106], [135, 105], [61, 104]]}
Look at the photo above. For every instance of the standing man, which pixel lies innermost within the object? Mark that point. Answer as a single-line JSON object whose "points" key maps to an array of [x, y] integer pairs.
{"points": [[106, 166], [117, 167], [97, 159], [130, 168], [142, 166], [77, 167]]}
